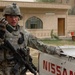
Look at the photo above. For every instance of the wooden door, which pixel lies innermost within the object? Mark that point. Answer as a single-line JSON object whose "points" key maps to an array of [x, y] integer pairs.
{"points": [[61, 26]]}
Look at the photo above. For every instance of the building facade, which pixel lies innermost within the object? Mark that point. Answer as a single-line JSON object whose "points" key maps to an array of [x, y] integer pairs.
{"points": [[41, 18], [69, 2]]}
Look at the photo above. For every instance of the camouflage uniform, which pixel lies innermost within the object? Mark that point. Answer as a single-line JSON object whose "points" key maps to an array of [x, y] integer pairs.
{"points": [[29, 40]]}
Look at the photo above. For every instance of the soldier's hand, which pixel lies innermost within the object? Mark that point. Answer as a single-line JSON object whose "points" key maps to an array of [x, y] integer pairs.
{"points": [[58, 50], [54, 50], [3, 23]]}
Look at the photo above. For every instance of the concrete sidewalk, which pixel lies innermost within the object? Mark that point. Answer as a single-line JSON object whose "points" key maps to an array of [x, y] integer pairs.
{"points": [[29, 73]]}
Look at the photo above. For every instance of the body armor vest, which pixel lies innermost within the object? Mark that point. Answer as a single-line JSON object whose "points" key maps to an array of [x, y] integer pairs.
{"points": [[17, 39]]}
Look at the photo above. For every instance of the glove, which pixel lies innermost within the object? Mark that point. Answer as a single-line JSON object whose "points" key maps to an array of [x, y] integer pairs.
{"points": [[3, 23], [54, 50], [3, 20], [58, 50]]}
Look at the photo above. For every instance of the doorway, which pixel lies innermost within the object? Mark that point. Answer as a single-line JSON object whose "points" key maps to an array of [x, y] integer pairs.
{"points": [[61, 26]]}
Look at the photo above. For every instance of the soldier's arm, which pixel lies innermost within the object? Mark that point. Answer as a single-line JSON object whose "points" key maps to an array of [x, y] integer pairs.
{"points": [[35, 43]]}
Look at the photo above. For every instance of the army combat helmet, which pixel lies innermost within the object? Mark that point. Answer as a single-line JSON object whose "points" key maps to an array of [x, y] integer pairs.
{"points": [[12, 10]]}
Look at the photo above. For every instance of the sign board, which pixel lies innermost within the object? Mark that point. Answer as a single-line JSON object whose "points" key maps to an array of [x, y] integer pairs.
{"points": [[57, 65]]}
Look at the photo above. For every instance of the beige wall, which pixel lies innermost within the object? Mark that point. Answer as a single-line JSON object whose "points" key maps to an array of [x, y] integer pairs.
{"points": [[70, 2], [70, 24], [49, 22], [49, 19], [48, 13]]}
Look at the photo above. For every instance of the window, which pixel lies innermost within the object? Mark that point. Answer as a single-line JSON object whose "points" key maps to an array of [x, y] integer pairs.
{"points": [[34, 23]]}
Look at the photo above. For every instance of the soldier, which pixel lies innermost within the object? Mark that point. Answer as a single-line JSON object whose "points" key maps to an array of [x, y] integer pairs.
{"points": [[19, 37]]}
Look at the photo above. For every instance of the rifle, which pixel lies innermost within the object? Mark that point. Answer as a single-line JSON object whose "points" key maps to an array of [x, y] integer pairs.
{"points": [[18, 57], [26, 56]]}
